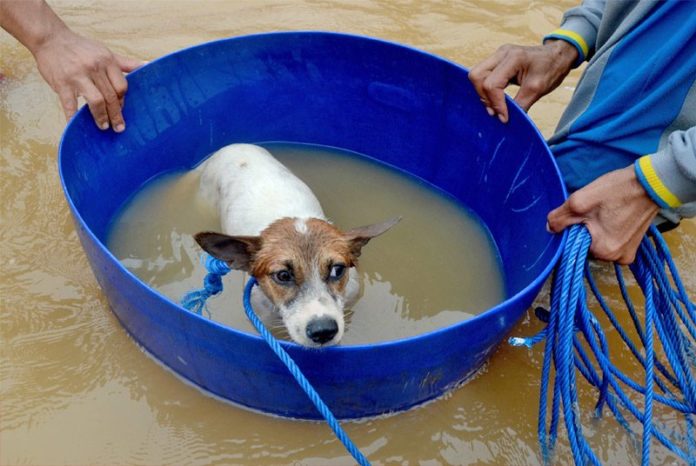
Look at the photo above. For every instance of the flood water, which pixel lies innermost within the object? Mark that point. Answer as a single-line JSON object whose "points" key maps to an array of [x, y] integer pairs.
{"points": [[76, 390], [438, 266]]}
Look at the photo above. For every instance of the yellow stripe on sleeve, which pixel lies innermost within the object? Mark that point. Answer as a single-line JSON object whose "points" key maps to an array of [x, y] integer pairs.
{"points": [[575, 37], [662, 191]]}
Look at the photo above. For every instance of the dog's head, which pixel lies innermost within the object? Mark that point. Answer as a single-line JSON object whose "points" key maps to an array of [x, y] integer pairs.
{"points": [[302, 266]]}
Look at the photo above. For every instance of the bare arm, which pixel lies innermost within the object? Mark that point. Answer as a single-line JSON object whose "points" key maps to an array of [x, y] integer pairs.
{"points": [[72, 65], [31, 22]]}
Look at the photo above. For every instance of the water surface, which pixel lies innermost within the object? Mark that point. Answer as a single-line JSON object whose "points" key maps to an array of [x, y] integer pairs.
{"points": [[76, 390]]}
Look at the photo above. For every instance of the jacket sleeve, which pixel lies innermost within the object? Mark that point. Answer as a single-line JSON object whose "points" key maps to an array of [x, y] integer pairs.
{"points": [[579, 28], [669, 175]]}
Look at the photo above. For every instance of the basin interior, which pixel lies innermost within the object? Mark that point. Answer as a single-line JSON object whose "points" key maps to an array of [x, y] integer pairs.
{"points": [[421, 116]]}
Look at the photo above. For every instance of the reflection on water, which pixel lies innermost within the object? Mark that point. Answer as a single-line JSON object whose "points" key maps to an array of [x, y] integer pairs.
{"points": [[75, 390]]}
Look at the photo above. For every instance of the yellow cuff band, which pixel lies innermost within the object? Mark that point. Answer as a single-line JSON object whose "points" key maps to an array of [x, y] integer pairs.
{"points": [[662, 191], [575, 37]]}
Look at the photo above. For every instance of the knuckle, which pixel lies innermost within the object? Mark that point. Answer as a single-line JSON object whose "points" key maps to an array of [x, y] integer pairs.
{"points": [[554, 225], [624, 260], [516, 54], [613, 251], [116, 116], [67, 100], [94, 66], [629, 259], [599, 251], [99, 62], [610, 250], [534, 85], [70, 107], [72, 81], [577, 204], [121, 87], [96, 101], [488, 86], [111, 99], [475, 75], [103, 59]]}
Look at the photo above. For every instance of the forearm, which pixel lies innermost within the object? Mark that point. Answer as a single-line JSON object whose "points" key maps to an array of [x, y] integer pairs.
{"points": [[31, 22], [564, 54]]}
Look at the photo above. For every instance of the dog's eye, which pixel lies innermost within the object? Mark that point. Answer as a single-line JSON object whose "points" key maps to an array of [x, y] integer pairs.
{"points": [[283, 277], [337, 271]]}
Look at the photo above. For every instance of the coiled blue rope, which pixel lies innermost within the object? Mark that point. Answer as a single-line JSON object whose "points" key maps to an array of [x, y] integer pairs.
{"points": [[195, 301], [576, 342]]}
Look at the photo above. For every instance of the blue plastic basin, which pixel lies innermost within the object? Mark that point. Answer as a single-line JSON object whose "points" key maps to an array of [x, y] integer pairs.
{"points": [[403, 107]]}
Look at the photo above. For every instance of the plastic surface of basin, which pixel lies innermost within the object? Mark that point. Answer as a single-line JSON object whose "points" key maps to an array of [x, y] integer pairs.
{"points": [[401, 106]]}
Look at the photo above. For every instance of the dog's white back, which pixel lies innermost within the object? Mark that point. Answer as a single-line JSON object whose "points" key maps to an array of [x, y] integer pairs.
{"points": [[251, 189]]}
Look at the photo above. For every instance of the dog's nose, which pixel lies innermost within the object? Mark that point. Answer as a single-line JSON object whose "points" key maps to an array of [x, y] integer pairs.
{"points": [[322, 329]]}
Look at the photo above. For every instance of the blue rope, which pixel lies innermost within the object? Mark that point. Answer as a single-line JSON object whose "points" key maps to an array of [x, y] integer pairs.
{"points": [[195, 301], [300, 378], [576, 342], [571, 328]]}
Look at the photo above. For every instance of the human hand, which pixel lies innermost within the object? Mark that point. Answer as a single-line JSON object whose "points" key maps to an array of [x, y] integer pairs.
{"points": [[537, 70], [75, 66], [616, 210]]}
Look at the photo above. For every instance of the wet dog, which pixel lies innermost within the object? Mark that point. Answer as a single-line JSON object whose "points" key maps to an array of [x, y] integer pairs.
{"points": [[275, 229]]}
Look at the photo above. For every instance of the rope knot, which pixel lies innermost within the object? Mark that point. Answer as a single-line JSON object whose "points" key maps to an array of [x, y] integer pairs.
{"points": [[195, 301], [216, 266]]}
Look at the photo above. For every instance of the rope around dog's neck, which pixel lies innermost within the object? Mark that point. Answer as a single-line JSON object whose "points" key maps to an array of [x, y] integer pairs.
{"points": [[195, 301], [572, 327], [300, 378]]}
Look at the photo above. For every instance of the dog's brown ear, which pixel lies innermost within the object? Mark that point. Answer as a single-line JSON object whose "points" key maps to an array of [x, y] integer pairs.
{"points": [[237, 251], [359, 237]]}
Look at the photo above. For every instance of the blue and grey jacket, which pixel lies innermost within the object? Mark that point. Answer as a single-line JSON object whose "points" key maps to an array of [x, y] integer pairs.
{"points": [[636, 100]]}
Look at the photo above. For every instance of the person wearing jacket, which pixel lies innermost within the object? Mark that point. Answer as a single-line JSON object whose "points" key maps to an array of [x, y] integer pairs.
{"points": [[626, 143]]}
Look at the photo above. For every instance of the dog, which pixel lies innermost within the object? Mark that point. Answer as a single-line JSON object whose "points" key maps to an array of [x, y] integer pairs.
{"points": [[274, 228]]}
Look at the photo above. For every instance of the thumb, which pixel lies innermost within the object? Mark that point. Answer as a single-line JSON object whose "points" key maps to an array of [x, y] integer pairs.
{"points": [[128, 64], [562, 217]]}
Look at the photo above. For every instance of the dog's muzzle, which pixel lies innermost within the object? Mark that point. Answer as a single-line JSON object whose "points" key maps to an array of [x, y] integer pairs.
{"points": [[322, 329]]}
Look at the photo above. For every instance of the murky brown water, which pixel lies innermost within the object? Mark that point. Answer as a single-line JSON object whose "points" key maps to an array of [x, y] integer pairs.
{"points": [[421, 276], [76, 390]]}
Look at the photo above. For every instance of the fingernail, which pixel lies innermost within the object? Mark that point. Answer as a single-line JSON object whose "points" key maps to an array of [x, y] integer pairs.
{"points": [[120, 128], [502, 118], [548, 227], [490, 111], [104, 125]]}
